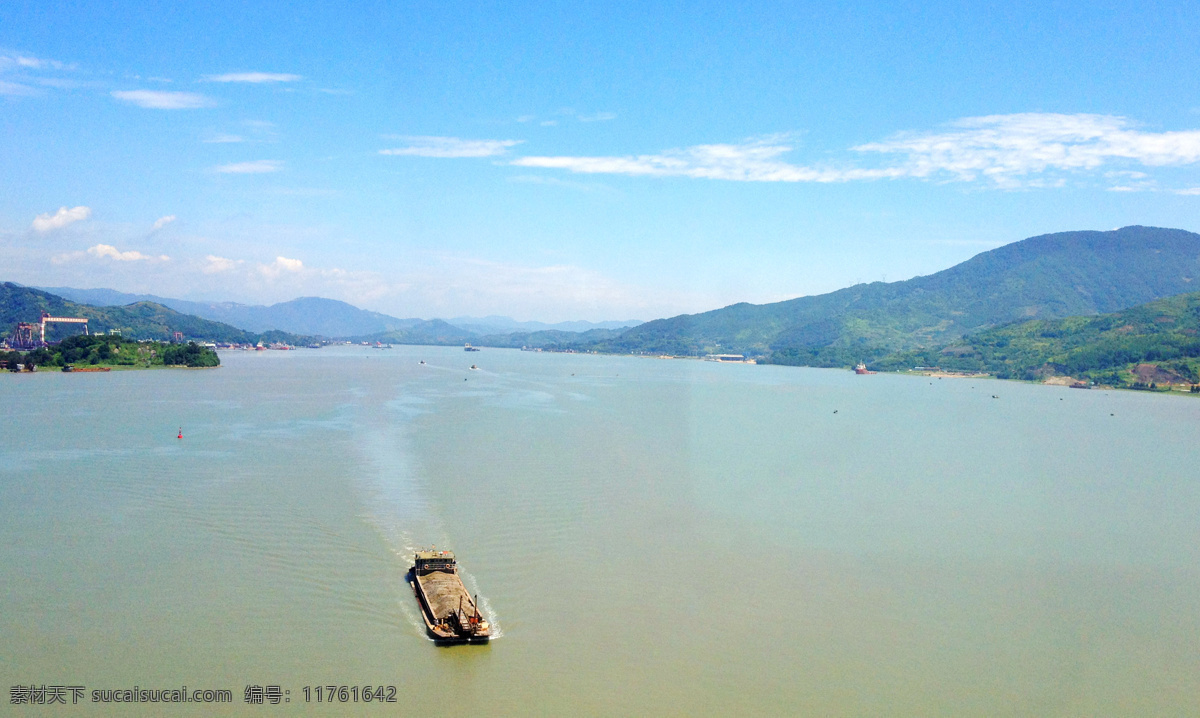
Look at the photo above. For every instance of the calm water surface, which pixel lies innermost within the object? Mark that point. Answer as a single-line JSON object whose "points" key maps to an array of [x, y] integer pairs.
{"points": [[650, 537]]}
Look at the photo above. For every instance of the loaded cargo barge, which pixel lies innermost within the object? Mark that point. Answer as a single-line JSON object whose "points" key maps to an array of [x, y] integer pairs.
{"points": [[451, 615]]}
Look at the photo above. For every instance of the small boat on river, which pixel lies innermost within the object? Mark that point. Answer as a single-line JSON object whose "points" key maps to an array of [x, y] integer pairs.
{"points": [[451, 615]]}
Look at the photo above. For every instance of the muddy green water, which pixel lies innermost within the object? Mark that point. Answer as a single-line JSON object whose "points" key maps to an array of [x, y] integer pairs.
{"points": [[650, 537]]}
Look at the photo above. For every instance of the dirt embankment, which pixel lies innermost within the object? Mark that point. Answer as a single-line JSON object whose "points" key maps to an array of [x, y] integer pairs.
{"points": [[1149, 373]]}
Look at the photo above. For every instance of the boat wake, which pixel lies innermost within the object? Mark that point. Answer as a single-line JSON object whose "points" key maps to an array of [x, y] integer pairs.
{"points": [[396, 505]]}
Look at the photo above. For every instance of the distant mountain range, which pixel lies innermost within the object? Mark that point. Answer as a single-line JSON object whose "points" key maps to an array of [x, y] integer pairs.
{"points": [[330, 317], [1046, 277]]}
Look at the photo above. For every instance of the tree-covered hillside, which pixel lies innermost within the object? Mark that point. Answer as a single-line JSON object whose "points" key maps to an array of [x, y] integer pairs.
{"points": [[1164, 334], [1045, 277]]}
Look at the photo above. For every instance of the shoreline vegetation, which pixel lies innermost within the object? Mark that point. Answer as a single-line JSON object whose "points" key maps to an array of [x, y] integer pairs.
{"points": [[105, 352]]}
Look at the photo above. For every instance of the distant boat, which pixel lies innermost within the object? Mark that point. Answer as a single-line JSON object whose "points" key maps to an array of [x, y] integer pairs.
{"points": [[474, 368], [422, 361], [862, 369], [469, 348]]}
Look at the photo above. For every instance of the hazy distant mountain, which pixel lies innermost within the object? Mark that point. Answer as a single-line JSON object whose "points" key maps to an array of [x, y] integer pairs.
{"points": [[330, 317], [432, 331], [306, 315], [507, 325], [1050, 276]]}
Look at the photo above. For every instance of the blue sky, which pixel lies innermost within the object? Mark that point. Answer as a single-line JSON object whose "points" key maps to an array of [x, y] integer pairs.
{"points": [[579, 160]]}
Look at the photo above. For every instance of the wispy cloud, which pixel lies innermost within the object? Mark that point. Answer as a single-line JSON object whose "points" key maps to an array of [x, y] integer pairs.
{"points": [[253, 77], [163, 222], [16, 89], [569, 112], [29, 62], [252, 131], [162, 100], [755, 160], [107, 251], [598, 117], [111, 252], [1007, 148], [1020, 150], [46, 222], [1190, 191], [419, 146], [255, 167]]}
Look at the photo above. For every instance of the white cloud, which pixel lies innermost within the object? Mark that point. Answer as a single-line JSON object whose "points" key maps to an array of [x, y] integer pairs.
{"points": [[225, 139], [755, 160], [163, 222], [28, 62], [250, 168], [61, 218], [1006, 148], [451, 147], [1030, 149], [1188, 191], [16, 89], [215, 265], [36, 63], [253, 77], [598, 117], [281, 265], [111, 252], [162, 100]]}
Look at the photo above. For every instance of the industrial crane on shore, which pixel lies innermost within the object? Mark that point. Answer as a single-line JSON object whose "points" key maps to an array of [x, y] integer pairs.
{"points": [[22, 337]]}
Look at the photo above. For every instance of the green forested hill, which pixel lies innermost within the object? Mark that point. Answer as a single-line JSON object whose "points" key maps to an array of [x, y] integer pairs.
{"points": [[1050, 276], [1165, 333], [143, 320]]}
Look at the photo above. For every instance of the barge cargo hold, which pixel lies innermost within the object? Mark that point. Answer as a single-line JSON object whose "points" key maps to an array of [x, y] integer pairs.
{"points": [[451, 615]]}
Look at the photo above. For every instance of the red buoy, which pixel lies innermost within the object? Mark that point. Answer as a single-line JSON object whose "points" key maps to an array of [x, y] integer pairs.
{"points": [[180, 433]]}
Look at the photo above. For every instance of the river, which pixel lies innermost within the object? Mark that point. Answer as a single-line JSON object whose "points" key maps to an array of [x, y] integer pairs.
{"points": [[649, 537]]}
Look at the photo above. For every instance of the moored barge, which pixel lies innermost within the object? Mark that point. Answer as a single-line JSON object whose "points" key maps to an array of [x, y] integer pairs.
{"points": [[451, 615]]}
